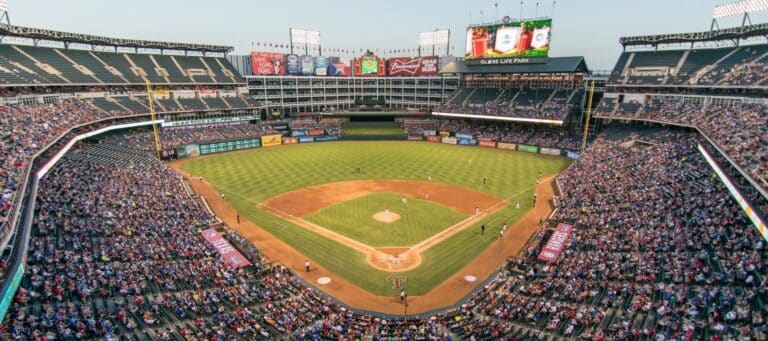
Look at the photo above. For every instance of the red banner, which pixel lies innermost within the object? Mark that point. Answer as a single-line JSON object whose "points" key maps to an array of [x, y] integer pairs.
{"points": [[268, 63], [290, 140], [316, 132], [556, 243], [226, 250], [405, 66], [434, 138], [487, 143]]}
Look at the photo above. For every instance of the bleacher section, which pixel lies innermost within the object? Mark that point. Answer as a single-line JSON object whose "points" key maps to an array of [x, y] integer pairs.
{"points": [[192, 104], [531, 103], [482, 95], [29, 65], [730, 66]]}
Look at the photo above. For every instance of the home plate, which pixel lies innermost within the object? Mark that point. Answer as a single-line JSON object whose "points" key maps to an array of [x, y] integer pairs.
{"points": [[470, 278], [323, 280]]}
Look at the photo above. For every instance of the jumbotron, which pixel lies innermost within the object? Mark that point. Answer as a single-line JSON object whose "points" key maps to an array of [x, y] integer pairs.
{"points": [[178, 191]]}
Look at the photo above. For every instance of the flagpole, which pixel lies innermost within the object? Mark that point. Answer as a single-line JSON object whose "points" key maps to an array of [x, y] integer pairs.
{"points": [[536, 14], [521, 11], [496, 16]]}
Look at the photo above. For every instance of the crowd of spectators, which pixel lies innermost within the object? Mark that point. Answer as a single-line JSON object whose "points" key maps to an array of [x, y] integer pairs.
{"points": [[739, 129], [172, 137], [548, 109], [25, 129], [543, 136]]}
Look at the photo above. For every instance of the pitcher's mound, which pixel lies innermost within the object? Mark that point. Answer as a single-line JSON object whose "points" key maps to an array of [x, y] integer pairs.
{"points": [[385, 217]]}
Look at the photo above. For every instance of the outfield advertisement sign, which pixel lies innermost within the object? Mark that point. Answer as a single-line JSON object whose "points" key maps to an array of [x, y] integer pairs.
{"points": [[526, 148], [556, 243], [487, 143], [420, 66], [307, 65], [227, 252], [467, 142], [414, 138], [444, 134], [227, 146], [267, 63], [464, 136], [321, 66], [433, 138], [290, 140], [306, 139], [450, 140], [573, 155], [550, 151], [298, 133], [192, 150], [507, 146], [326, 138], [316, 132], [271, 140], [430, 133], [292, 64]]}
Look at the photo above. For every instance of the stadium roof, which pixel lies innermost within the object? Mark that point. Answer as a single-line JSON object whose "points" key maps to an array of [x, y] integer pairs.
{"points": [[692, 37], [554, 65], [37, 33]]}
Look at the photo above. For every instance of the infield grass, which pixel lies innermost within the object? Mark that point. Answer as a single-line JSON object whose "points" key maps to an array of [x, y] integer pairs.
{"points": [[419, 219], [253, 176]]}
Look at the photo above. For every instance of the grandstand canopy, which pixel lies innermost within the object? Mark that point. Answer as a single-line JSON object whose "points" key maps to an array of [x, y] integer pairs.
{"points": [[37, 33], [555, 65], [693, 37]]}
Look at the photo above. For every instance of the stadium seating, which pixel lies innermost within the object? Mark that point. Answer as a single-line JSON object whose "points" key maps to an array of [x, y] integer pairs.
{"points": [[538, 103], [731, 66], [23, 65], [739, 129]]}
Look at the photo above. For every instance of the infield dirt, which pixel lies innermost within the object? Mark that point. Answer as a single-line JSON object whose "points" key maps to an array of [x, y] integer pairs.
{"points": [[445, 294]]}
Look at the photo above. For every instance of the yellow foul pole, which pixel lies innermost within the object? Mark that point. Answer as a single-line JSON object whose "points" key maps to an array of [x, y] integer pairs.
{"points": [[589, 116], [153, 116]]}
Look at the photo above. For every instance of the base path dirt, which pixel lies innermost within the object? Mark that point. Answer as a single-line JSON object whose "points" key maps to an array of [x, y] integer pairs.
{"points": [[445, 294]]}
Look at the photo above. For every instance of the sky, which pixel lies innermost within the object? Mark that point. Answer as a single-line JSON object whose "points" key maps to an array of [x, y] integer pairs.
{"points": [[589, 28]]}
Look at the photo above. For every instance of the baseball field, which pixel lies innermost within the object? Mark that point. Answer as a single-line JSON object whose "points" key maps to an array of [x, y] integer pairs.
{"points": [[413, 210]]}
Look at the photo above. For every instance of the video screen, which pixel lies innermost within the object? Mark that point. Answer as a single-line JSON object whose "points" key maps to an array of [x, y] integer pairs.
{"points": [[369, 66], [513, 42]]}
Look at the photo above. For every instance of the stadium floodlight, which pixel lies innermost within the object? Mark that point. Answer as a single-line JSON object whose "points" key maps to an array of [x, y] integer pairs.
{"points": [[437, 37], [740, 7], [299, 36]]}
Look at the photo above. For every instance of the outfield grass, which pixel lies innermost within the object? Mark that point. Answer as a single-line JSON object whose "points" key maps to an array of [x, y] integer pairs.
{"points": [[419, 219], [250, 177], [371, 128]]}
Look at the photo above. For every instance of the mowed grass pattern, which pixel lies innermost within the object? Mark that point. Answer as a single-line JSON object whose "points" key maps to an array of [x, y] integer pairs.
{"points": [[419, 219], [250, 177], [371, 128]]}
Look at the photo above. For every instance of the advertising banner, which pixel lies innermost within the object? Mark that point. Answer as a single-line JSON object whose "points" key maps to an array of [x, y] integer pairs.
{"points": [[573, 155], [181, 152], [529, 149], [464, 136], [192, 150], [487, 143], [306, 139], [556, 243], [430, 133], [369, 66], [444, 134], [227, 252], [405, 66], [290, 140], [550, 151], [167, 154], [292, 64], [450, 140], [326, 138], [298, 133], [467, 142], [433, 138], [509, 43], [307, 65], [414, 138], [507, 146], [337, 68], [226, 146], [321, 66], [15, 280], [268, 63], [316, 132], [271, 140]]}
